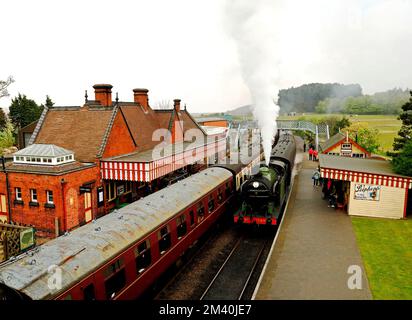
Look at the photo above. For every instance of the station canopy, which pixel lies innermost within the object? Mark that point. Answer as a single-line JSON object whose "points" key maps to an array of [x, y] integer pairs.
{"points": [[369, 171]]}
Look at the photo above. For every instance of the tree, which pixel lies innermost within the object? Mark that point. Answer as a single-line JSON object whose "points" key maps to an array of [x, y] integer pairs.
{"points": [[3, 119], [306, 97], [335, 125], [23, 111], [7, 136], [402, 164], [405, 133], [322, 106], [163, 105], [4, 85], [49, 103], [364, 136]]}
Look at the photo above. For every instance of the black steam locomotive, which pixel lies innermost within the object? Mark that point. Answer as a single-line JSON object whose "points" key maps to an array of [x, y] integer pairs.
{"points": [[264, 194]]}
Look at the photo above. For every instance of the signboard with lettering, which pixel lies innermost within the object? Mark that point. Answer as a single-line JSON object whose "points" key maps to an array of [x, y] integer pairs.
{"points": [[100, 196], [26, 239], [120, 189], [367, 192]]}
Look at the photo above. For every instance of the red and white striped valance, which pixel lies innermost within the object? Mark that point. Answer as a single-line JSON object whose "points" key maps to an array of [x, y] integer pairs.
{"points": [[148, 171], [367, 178]]}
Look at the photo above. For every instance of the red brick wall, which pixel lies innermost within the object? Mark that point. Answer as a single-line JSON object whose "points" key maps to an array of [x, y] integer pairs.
{"points": [[177, 133], [120, 140], [44, 218]]}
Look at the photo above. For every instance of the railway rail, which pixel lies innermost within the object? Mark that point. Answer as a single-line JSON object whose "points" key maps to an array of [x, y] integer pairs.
{"points": [[236, 277]]}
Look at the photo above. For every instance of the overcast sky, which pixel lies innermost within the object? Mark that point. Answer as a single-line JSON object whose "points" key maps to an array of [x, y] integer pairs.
{"points": [[183, 49]]}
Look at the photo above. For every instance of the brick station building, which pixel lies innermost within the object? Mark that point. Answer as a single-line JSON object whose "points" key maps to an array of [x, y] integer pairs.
{"points": [[341, 145], [83, 161]]}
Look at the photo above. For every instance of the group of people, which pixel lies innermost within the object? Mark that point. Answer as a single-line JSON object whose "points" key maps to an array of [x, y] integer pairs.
{"points": [[313, 153], [330, 191], [333, 191]]}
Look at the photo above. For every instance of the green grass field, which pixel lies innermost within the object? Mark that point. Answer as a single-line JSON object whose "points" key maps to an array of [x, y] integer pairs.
{"points": [[387, 125], [386, 250]]}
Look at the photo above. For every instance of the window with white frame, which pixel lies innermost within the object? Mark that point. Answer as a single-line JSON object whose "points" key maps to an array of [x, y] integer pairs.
{"points": [[18, 193], [49, 196], [50, 160], [33, 195]]}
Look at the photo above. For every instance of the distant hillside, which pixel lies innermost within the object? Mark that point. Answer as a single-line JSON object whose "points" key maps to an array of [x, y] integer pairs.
{"points": [[241, 111]]}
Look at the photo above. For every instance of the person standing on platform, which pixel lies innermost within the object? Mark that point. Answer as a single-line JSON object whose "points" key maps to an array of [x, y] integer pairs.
{"points": [[315, 177], [315, 155], [304, 146], [310, 153]]}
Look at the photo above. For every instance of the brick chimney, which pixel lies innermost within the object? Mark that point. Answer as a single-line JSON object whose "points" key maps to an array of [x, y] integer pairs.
{"points": [[176, 104], [141, 97], [103, 93]]}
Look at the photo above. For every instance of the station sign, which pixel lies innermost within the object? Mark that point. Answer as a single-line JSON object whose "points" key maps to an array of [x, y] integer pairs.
{"points": [[367, 192]]}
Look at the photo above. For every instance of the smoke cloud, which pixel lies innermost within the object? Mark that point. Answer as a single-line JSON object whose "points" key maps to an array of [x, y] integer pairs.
{"points": [[250, 23]]}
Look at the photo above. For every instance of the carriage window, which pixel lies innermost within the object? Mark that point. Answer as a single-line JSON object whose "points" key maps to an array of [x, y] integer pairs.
{"points": [[89, 293], [220, 196], [143, 256], [115, 278], [192, 217], [200, 211], [181, 226], [114, 267], [211, 204], [228, 191], [115, 283], [164, 239]]}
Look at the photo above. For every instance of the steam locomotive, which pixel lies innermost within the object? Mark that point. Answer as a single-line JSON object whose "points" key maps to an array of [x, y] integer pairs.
{"points": [[264, 194]]}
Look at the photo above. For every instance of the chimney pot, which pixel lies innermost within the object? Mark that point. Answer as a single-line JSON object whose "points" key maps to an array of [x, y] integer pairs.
{"points": [[103, 93], [141, 97], [177, 104]]}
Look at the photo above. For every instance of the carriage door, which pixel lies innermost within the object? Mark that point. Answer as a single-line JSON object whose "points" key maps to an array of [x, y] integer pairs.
{"points": [[3, 209], [88, 206]]}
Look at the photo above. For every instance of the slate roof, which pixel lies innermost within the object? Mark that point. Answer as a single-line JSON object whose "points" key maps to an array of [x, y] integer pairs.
{"points": [[373, 166], [48, 170], [332, 141], [43, 150], [85, 130], [81, 130]]}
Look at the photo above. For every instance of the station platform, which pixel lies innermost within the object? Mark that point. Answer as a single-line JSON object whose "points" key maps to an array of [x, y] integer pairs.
{"points": [[314, 249]]}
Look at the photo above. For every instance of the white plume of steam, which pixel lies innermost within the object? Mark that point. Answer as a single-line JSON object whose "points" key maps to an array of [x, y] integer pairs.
{"points": [[252, 25]]}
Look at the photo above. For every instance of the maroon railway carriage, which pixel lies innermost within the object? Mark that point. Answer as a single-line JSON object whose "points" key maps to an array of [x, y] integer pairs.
{"points": [[121, 254]]}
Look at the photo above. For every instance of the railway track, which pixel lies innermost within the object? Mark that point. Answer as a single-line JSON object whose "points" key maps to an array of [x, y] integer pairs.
{"points": [[237, 276]]}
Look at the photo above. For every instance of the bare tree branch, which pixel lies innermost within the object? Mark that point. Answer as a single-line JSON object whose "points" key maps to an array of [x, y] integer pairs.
{"points": [[163, 105], [4, 85]]}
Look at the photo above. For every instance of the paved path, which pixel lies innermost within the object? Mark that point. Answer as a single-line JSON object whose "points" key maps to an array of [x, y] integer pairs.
{"points": [[315, 247]]}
